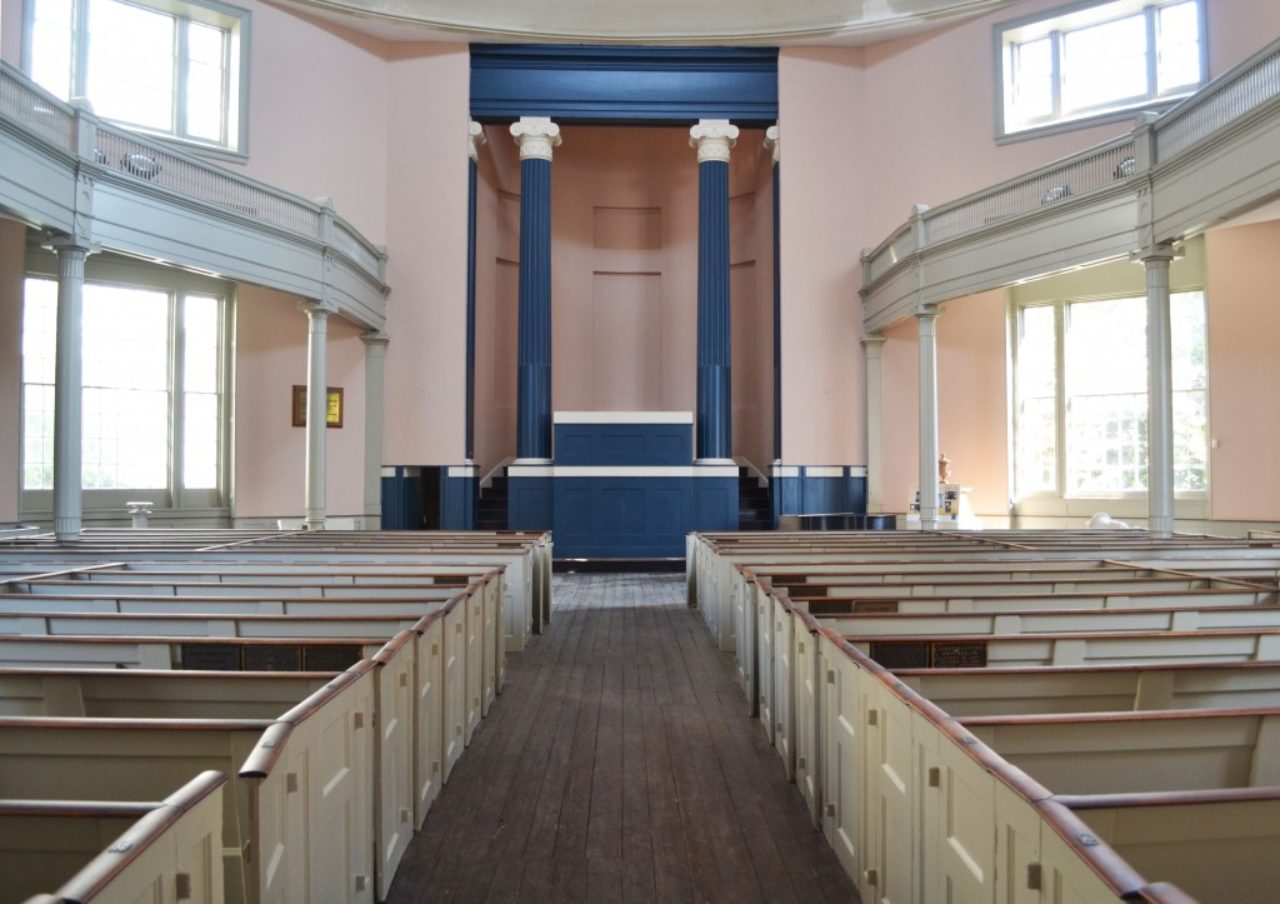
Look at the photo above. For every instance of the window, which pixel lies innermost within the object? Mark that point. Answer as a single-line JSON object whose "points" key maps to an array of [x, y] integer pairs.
{"points": [[1098, 59], [154, 376], [169, 67], [1080, 397]]}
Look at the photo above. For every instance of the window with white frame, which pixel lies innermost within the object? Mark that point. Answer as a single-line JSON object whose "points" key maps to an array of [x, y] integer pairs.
{"points": [[170, 67], [154, 380], [1080, 397], [1096, 59]]}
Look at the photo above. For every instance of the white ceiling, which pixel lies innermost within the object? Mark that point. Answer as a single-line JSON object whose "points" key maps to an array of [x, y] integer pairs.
{"points": [[644, 21]]}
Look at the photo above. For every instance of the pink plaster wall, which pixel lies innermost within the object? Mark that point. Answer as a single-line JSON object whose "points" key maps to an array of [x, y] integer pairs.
{"points": [[972, 407], [972, 416], [824, 180], [11, 32], [13, 237], [899, 421], [495, 305], [1244, 324], [271, 357], [930, 134], [624, 269], [426, 186]]}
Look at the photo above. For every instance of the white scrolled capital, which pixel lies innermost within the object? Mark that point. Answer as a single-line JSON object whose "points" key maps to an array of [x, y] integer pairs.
{"points": [[537, 136], [475, 139], [773, 143], [713, 138]]}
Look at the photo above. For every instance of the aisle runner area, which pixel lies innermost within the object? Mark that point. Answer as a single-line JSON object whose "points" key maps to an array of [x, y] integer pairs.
{"points": [[620, 764]]}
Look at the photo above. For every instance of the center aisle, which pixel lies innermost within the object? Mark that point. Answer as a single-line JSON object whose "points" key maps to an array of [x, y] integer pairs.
{"points": [[620, 765]]}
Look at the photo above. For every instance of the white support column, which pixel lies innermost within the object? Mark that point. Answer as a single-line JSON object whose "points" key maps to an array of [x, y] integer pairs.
{"points": [[317, 405], [375, 356], [871, 346], [926, 322], [68, 391], [1159, 392]]}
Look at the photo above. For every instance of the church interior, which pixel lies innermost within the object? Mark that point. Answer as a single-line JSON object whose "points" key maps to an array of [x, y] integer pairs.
{"points": [[678, 451]]}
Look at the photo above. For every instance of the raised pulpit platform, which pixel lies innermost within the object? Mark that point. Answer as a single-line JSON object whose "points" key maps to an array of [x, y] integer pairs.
{"points": [[622, 485]]}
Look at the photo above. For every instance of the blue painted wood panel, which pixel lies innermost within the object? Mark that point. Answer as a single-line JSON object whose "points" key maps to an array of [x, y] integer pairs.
{"points": [[457, 502], [529, 504], [624, 444], [657, 85]]}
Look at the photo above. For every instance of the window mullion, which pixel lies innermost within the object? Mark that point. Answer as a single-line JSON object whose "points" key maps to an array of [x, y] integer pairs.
{"points": [[1056, 57], [181, 66], [80, 49], [1153, 56]]}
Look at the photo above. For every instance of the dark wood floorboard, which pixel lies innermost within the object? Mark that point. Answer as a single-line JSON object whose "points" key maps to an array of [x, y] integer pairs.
{"points": [[620, 764]]}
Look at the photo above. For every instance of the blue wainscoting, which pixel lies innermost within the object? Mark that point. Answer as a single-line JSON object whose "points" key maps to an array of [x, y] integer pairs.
{"points": [[458, 497], [637, 517], [529, 503], [623, 444], [401, 498], [818, 490]]}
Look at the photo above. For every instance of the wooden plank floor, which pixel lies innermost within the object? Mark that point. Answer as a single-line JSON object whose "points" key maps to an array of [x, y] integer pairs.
{"points": [[620, 765]]}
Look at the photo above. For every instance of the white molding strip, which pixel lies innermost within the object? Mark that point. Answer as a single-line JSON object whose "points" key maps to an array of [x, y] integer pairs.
{"points": [[672, 471], [388, 471], [824, 471], [857, 470], [786, 470], [624, 417], [462, 471]]}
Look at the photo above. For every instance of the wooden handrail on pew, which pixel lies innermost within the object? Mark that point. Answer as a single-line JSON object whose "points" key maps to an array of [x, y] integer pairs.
{"points": [[151, 823]]}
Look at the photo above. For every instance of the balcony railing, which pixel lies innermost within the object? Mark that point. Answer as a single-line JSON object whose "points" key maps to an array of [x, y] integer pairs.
{"points": [[1228, 100], [100, 147]]}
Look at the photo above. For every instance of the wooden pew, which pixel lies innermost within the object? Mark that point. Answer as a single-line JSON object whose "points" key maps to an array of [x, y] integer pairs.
{"points": [[1109, 753], [1218, 846], [1115, 688], [115, 850], [298, 814]]}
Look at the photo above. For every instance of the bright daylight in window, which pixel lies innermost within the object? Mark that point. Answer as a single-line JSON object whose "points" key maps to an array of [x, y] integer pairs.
{"points": [[1080, 397], [172, 68], [151, 363], [1096, 60]]}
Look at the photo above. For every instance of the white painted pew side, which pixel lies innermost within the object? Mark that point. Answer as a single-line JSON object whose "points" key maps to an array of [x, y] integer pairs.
{"points": [[264, 836], [1218, 846], [1113, 753], [526, 558], [413, 695], [108, 852], [1116, 688], [920, 811], [136, 694]]}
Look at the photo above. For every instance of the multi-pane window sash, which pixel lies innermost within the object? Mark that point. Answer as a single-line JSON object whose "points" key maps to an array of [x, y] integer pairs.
{"points": [[1097, 59], [168, 68], [1080, 397]]}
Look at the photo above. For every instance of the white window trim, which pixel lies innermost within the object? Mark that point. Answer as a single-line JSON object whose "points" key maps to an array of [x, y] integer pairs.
{"points": [[1110, 114], [1188, 504], [243, 28], [172, 502]]}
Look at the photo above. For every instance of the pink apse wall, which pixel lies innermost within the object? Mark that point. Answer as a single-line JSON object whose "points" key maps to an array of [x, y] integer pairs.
{"points": [[624, 280]]}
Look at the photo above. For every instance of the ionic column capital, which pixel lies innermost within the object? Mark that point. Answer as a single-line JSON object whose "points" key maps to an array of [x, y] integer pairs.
{"points": [[375, 340], [713, 138], [773, 144], [475, 140], [315, 309], [1157, 254], [872, 342], [537, 136]]}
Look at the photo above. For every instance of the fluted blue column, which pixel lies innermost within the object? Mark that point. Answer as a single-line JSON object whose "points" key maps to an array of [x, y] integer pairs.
{"points": [[713, 138], [537, 136], [475, 138]]}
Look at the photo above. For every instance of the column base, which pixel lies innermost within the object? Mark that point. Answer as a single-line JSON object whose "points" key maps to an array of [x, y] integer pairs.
{"points": [[715, 461], [531, 461]]}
